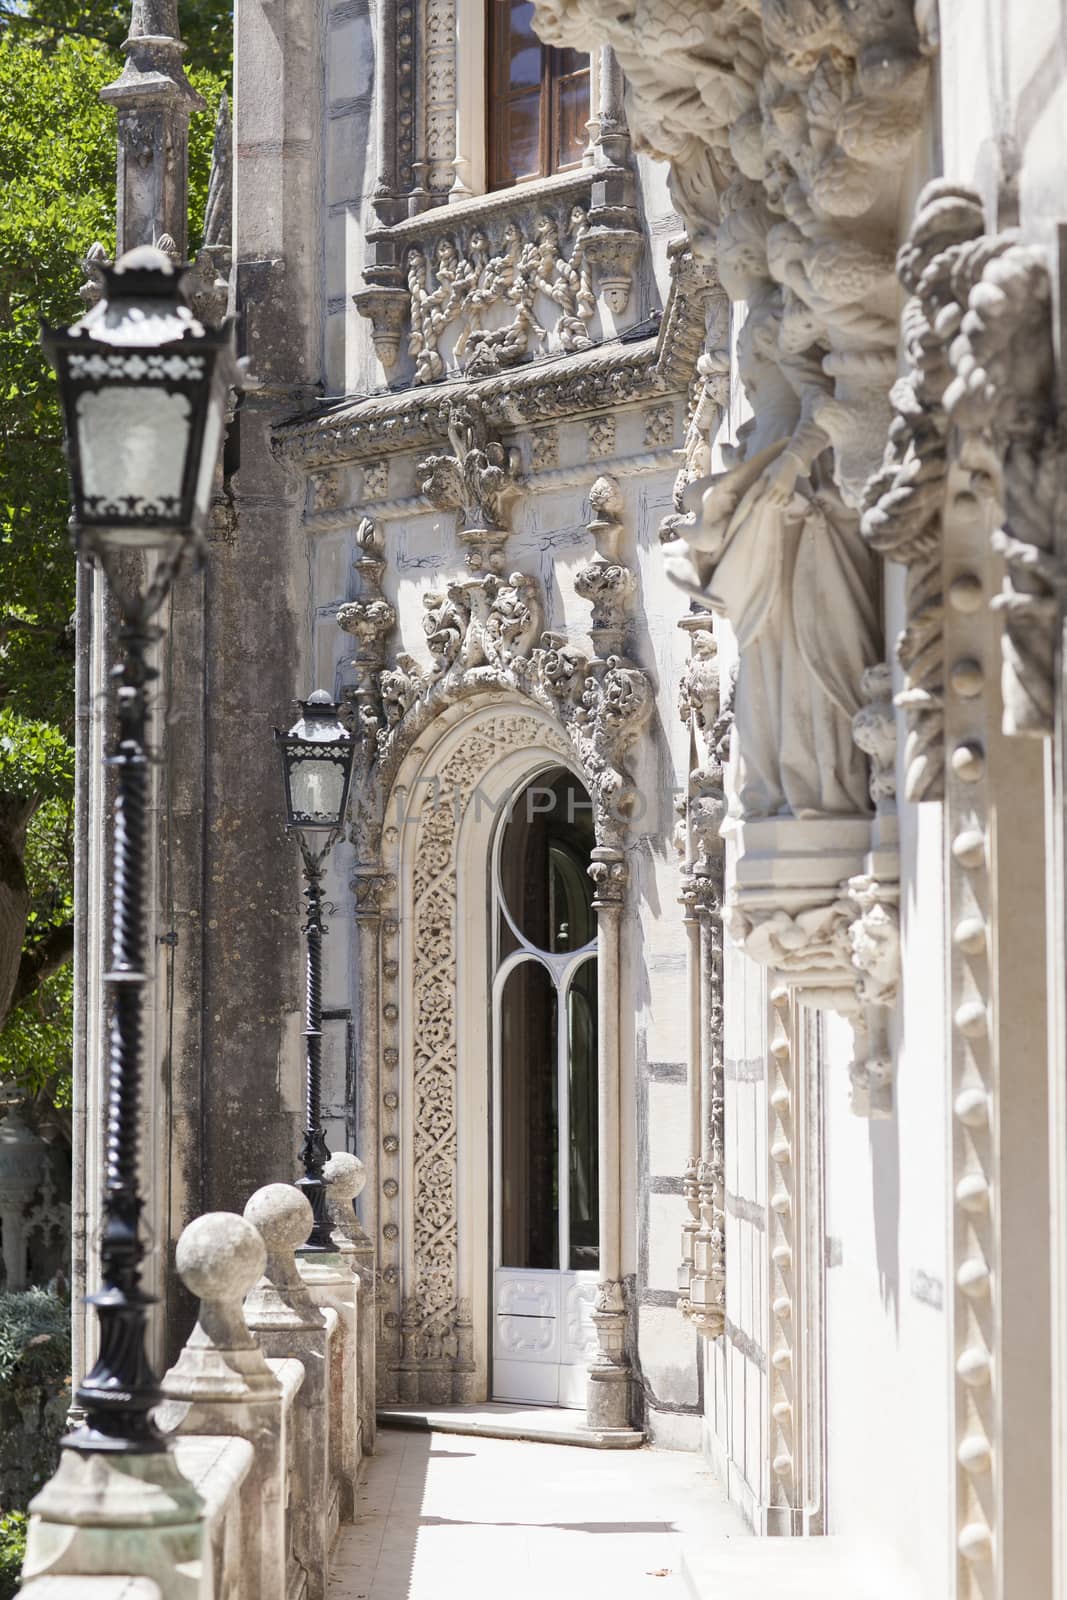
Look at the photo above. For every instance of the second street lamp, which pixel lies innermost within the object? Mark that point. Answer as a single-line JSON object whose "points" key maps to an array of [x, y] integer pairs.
{"points": [[317, 757]]}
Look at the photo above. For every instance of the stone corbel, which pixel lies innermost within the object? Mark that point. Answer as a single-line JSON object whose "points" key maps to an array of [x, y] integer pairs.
{"points": [[614, 251], [386, 310], [479, 481]]}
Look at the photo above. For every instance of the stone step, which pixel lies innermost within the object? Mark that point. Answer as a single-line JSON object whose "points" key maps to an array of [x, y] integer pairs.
{"points": [[499, 1420]]}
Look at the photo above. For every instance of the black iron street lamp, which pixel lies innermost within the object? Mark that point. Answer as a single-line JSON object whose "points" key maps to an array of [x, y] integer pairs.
{"points": [[144, 389], [317, 757]]}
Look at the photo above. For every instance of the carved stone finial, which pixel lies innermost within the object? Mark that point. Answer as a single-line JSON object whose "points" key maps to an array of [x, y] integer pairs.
{"points": [[370, 619], [345, 1178], [154, 100], [280, 1299], [92, 290], [606, 583], [219, 1258]]}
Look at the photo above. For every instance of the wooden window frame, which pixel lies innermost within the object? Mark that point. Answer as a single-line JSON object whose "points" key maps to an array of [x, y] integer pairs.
{"points": [[499, 94]]}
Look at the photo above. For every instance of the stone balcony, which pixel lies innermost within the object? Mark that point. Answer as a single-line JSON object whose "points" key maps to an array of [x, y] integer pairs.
{"points": [[494, 281]]}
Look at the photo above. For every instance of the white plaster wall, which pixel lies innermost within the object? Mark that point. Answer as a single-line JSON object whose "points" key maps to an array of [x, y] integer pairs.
{"points": [[1004, 106], [735, 1365]]}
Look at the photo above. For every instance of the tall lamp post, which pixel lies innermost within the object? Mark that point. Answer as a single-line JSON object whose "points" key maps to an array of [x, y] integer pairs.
{"points": [[317, 757], [144, 389]]}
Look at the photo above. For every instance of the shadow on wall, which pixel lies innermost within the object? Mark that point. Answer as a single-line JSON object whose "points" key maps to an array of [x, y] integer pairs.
{"points": [[885, 1189]]}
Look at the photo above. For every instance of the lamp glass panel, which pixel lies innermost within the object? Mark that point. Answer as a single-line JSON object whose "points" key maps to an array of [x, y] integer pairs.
{"points": [[132, 444], [316, 789]]}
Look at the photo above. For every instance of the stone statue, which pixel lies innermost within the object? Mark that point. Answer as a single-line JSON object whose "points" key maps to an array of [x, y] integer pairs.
{"points": [[775, 550]]}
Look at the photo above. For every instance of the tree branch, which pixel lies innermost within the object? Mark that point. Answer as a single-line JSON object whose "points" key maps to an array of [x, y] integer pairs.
{"points": [[14, 624], [41, 961]]}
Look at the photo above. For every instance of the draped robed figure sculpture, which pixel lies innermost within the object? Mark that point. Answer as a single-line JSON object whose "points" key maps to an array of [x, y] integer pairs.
{"points": [[775, 550]]}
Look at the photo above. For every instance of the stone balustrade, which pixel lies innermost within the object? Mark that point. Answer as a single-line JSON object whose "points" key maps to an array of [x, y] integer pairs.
{"points": [[263, 1410]]}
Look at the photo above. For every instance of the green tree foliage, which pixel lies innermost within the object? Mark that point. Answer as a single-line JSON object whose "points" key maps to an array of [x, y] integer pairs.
{"points": [[207, 25], [12, 1551], [57, 175]]}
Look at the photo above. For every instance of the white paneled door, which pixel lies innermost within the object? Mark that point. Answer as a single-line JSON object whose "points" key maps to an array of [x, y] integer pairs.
{"points": [[543, 1335]]}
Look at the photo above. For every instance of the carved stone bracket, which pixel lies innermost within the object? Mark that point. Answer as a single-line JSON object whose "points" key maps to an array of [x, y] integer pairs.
{"points": [[386, 310]]}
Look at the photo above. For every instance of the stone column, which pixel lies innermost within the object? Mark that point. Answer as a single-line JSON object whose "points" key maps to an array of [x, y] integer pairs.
{"points": [[368, 885], [608, 1393], [221, 1385], [154, 100]]}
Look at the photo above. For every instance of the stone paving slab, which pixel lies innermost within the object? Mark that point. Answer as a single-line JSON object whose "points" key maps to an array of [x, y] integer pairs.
{"points": [[443, 1516]]}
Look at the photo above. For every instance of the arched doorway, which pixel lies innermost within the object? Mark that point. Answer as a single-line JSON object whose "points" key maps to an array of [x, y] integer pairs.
{"points": [[545, 1214]]}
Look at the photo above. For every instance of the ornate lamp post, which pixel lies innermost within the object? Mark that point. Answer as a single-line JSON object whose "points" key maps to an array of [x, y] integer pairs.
{"points": [[317, 757], [144, 389]]}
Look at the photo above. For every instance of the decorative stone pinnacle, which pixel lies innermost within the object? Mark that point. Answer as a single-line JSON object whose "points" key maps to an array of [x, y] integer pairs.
{"points": [[153, 74]]}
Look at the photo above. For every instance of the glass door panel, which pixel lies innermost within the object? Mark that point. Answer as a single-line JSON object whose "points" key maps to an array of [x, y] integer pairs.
{"points": [[584, 1251], [529, 1119]]}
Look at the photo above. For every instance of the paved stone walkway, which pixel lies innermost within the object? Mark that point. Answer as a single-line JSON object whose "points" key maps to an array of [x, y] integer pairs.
{"points": [[444, 1516]]}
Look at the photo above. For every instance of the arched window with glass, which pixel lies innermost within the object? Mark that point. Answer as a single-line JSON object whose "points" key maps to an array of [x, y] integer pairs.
{"points": [[538, 99], [544, 992]]}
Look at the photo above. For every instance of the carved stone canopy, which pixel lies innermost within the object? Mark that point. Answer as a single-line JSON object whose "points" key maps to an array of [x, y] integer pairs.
{"points": [[363, 428]]}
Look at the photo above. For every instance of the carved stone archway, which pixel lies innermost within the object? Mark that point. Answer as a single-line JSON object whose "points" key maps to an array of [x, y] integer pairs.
{"points": [[494, 701]]}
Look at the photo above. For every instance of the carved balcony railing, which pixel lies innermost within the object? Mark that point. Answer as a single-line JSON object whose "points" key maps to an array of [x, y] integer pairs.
{"points": [[497, 280], [262, 1410]]}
